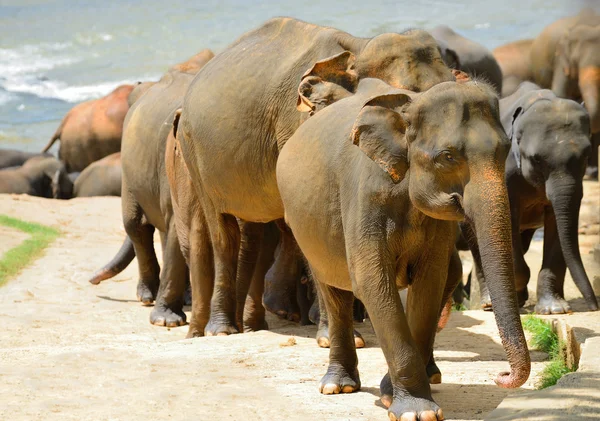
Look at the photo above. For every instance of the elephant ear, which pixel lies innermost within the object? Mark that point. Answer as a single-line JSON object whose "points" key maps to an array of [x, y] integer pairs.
{"points": [[379, 132], [176, 118], [328, 81], [460, 76]]}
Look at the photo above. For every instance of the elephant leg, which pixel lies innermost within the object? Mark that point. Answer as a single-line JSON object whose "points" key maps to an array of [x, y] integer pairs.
{"points": [[225, 236], [592, 168], [305, 303], [342, 373], [323, 339], [201, 265], [142, 237], [484, 292], [282, 277], [551, 279], [250, 247], [168, 308]]}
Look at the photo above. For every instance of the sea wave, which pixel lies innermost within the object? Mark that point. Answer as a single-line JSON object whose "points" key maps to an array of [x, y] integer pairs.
{"points": [[5, 97]]}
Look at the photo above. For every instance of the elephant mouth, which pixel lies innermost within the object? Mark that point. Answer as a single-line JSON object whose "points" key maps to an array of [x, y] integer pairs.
{"points": [[457, 201]]}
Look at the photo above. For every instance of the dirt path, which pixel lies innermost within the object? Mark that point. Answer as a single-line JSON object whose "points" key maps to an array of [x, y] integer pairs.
{"points": [[72, 351]]}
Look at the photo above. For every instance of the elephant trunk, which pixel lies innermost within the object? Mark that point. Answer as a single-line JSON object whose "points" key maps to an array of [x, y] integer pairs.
{"points": [[488, 214], [589, 86], [122, 259], [565, 194]]}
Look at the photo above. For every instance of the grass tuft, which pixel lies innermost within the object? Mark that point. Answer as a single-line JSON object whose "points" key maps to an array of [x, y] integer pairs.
{"points": [[17, 258], [545, 339], [459, 307]]}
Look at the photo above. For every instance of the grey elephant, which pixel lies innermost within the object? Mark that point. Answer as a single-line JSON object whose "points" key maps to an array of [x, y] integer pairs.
{"points": [[15, 158], [146, 198], [101, 178], [241, 109], [373, 187], [544, 173], [34, 177], [469, 56]]}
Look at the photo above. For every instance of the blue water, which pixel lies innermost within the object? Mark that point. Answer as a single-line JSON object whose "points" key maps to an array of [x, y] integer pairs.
{"points": [[56, 53]]}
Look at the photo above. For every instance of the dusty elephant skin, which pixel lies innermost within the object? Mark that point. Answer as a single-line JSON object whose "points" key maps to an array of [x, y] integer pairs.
{"points": [[146, 197], [515, 63], [564, 58], [469, 56], [374, 209], [242, 108], [15, 158], [35, 178], [101, 178], [92, 130], [544, 177]]}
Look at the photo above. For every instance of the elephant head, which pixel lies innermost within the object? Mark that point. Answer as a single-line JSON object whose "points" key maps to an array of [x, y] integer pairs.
{"points": [[410, 60], [551, 146], [577, 66], [449, 146], [448, 54]]}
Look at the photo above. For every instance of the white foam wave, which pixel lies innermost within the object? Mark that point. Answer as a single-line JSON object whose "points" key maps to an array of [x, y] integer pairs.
{"points": [[33, 58]]}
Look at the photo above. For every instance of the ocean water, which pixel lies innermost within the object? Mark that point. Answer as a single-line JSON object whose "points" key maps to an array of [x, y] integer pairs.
{"points": [[57, 53]]}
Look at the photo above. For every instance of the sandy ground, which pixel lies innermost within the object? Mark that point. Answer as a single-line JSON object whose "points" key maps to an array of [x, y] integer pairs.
{"points": [[69, 350]]}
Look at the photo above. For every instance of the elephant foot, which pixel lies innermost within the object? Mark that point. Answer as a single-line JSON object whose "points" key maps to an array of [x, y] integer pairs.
{"points": [[146, 292], [433, 373], [414, 409], [280, 305], [486, 302], [323, 338], [195, 331], [338, 380], [386, 390], [220, 327], [552, 304], [187, 296], [254, 325], [522, 297], [164, 316]]}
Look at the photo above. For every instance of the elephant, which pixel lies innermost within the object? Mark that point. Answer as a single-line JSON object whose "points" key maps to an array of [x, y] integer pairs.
{"points": [[101, 178], [544, 179], [139, 89], [373, 187], [15, 158], [243, 106], [564, 58], [469, 56], [515, 63], [146, 198], [34, 177], [92, 130]]}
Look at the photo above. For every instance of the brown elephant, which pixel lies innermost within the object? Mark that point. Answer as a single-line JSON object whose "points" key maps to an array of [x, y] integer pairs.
{"points": [[373, 187], [515, 63], [241, 109], [564, 58], [92, 130], [146, 197], [101, 178], [35, 178]]}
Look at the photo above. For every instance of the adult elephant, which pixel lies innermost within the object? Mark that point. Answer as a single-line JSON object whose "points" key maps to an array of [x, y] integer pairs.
{"points": [[101, 178], [564, 58], [373, 187], [14, 158], [515, 63], [544, 178], [469, 56], [92, 130], [242, 108], [35, 178], [146, 198]]}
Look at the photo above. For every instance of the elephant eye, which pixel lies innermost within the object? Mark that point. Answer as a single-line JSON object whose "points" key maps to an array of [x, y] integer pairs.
{"points": [[449, 157]]}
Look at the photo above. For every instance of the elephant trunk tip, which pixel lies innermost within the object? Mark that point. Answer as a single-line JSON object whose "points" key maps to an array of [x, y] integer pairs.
{"points": [[513, 379], [100, 276]]}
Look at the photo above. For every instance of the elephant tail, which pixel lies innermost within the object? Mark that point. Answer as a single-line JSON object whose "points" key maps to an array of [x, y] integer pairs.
{"points": [[117, 264], [54, 137]]}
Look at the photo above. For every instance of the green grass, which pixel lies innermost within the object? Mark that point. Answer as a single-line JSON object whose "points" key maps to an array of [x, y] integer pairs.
{"points": [[15, 259], [459, 307], [545, 339]]}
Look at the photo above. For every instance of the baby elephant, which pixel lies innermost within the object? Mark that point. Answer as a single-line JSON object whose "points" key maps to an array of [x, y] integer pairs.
{"points": [[544, 171], [102, 178], [35, 178]]}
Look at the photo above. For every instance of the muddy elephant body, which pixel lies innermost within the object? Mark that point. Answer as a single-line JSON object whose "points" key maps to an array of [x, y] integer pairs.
{"points": [[468, 56], [92, 130], [544, 173], [35, 177], [243, 107], [146, 198], [101, 178], [372, 187]]}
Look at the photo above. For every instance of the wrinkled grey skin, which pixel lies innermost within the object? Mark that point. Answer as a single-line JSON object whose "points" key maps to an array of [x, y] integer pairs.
{"points": [[101, 178], [544, 172], [15, 158], [373, 187], [243, 106], [461, 53], [35, 178]]}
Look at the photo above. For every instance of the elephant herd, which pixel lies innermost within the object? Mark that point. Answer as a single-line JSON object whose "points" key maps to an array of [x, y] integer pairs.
{"points": [[315, 174]]}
